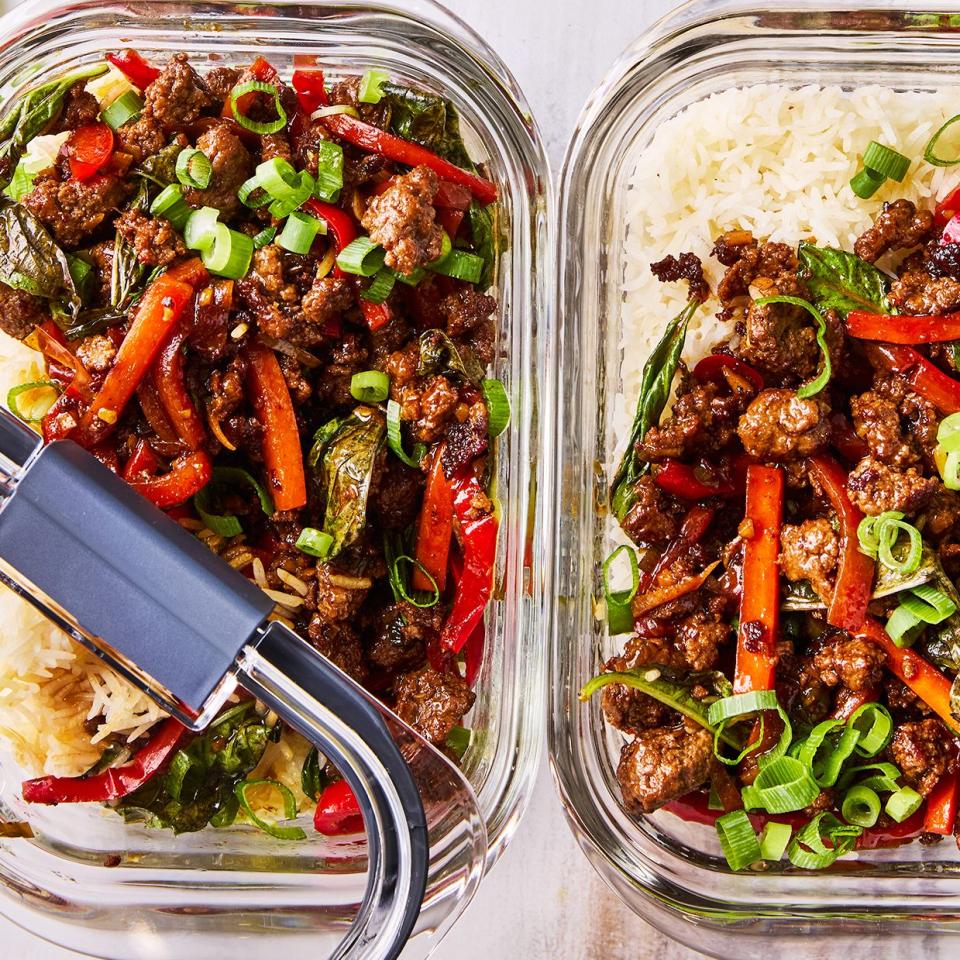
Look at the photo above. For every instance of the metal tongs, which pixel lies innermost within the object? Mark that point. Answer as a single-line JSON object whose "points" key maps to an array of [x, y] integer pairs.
{"points": [[150, 599]]}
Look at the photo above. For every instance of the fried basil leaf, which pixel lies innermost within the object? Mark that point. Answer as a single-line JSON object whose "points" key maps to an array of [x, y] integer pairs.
{"points": [[674, 690], [843, 282], [160, 169], [942, 642], [198, 786], [30, 260], [313, 777], [32, 113], [347, 464], [439, 354], [655, 386]]}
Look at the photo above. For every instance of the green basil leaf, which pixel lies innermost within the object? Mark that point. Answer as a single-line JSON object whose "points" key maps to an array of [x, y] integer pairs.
{"points": [[843, 282], [655, 386], [439, 355], [161, 168], [30, 260], [347, 465]]}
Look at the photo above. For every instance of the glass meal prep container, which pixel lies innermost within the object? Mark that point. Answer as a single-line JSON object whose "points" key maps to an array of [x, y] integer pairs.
{"points": [[670, 871], [238, 891]]}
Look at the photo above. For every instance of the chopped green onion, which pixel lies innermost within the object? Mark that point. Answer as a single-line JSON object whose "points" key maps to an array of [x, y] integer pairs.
{"points": [[314, 542], [884, 779], [370, 386], [227, 525], [264, 237], [460, 266], [258, 86], [737, 839], [807, 849], [458, 740], [928, 604], [193, 168], [278, 177], [713, 799], [861, 806], [948, 433], [289, 809], [930, 156], [412, 279], [329, 180], [252, 195], [333, 109], [36, 409], [885, 161], [370, 86], [230, 253], [362, 257], [774, 840], [398, 583], [812, 387], [888, 532], [619, 618], [875, 725], [951, 471], [822, 756], [903, 627], [783, 784], [299, 232], [21, 183], [621, 597], [200, 230], [381, 286], [903, 804], [866, 183], [222, 524], [125, 108], [868, 534], [395, 438], [498, 406], [170, 205], [739, 705], [446, 245]]}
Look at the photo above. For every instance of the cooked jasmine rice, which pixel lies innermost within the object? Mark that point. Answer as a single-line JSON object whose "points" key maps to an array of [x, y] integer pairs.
{"points": [[771, 159]]}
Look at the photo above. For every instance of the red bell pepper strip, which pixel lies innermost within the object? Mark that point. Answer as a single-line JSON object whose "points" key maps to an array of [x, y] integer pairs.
{"points": [[921, 676], [140, 73], [187, 476], [452, 196], [435, 528], [450, 220], [143, 463], [695, 524], [941, 811], [338, 812], [374, 140], [477, 534], [851, 594], [473, 654], [88, 149], [947, 208], [850, 701], [645, 602], [682, 481], [716, 368], [114, 783], [173, 394], [377, 315], [153, 412], [339, 223], [159, 310], [282, 453], [903, 329], [260, 70], [760, 592], [951, 232], [924, 377], [311, 92]]}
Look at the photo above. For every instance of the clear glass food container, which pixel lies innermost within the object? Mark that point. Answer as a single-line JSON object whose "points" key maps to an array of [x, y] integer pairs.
{"points": [[669, 871], [237, 891]]}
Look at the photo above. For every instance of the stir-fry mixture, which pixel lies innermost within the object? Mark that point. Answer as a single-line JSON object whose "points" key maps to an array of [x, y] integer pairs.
{"points": [[792, 672], [263, 305]]}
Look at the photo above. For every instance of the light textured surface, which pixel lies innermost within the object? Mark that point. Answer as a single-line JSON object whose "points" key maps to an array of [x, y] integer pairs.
{"points": [[543, 901]]}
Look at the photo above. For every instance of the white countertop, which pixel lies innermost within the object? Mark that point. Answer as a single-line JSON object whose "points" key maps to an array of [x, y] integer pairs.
{"points": [[543, 901]]}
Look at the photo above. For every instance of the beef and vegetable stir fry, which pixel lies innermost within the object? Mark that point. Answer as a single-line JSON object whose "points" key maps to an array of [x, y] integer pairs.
{"points": [[792, 672], [263, 305]]}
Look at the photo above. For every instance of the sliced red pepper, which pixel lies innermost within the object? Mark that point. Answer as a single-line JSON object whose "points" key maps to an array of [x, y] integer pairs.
{"points": [[282, 454], [112, 784], [903, 329], [921, 676], [173, 394], [339, 223], [682, 480], [159, 310], [452, 196], [153, 411], [760, 593], [450, 220], [106, 453], [374, 140], [89, 148], [941, 810], [947, 208], [338, 812], [187, 476], [435, 528], [140, 73], [61, 419], [924, 377], [695, 525], [143, 463], [851, 593], [310, 89], [477, 533], [718, 366], [850, 701], [473, 654]]}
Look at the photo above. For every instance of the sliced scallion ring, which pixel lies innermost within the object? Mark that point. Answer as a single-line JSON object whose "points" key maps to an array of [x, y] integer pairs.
{"points": [[278, 177], [883, 776], [193, 168], [498, 406], [333, 110], [885, 161], [170, 205], [460, 265], [200, 230], [230, 254], [329, 179], [370, 86], [738, 841], [361, 257], [314, 542], [252, 194], [903, 626], [865, 183], [903, 804], [929, 153], [398, 581], [861, 806], [774, 840], [948, 433], [875, 724], [807, 849], [299, 232], [381, 286], [370, 386], [621, 597], [395, 437], [125, 108], [812, 387], [887, 539], [928, 604], [32, 412], [741, 705], [264, 237], [951, 471], [783, 785], [255, 126], [289, 809]]}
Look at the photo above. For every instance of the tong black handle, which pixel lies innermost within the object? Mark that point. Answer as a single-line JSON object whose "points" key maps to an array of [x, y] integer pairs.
{"points": [[330, 710]]}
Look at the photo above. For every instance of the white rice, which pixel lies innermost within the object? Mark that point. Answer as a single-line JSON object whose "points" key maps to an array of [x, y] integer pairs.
{"points": [[770, 159]]}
